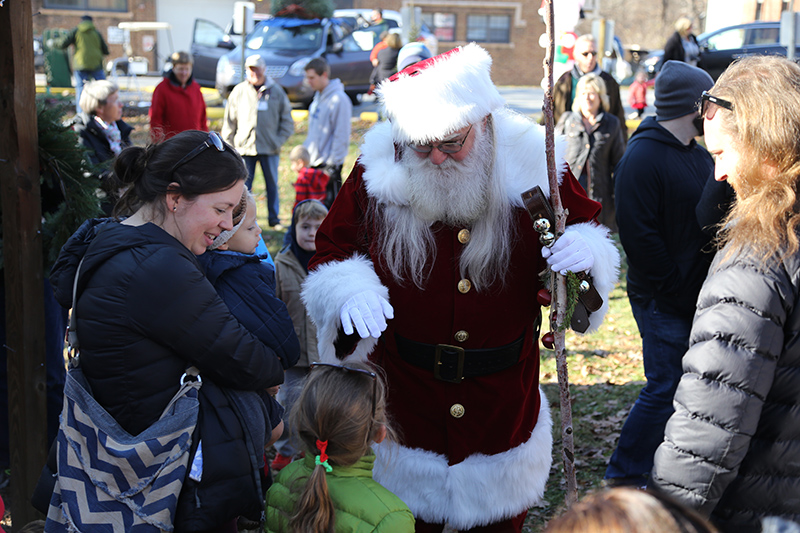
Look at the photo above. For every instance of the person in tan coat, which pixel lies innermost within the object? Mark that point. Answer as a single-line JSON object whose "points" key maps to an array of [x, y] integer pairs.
{"points": [[291, 269]]}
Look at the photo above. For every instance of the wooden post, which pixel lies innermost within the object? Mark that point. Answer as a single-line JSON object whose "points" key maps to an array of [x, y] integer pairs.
{"points": [[22, 256], [558, 281]]}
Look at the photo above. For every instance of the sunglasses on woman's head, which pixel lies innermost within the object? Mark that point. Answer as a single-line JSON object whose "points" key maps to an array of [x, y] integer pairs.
{"points": [[361, 371], [213, 140]]}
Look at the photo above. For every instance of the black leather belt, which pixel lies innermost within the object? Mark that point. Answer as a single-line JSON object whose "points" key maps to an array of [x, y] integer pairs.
{"points": [[454, 363]]}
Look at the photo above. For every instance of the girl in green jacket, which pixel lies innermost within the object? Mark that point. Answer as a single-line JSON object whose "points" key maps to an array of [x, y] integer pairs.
{"points": [[340, 413]]}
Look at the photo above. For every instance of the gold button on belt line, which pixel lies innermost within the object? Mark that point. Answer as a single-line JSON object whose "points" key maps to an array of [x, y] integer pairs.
{"points": [[463, 236], [464, 286], [461, 336], [457, 410]]}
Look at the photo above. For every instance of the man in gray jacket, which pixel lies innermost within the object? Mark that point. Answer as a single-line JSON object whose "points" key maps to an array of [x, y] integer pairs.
{"points": [[329, 116], [258, 120]]}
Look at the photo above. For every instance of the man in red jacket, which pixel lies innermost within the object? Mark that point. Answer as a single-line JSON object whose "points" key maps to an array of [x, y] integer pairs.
{"points": [[431, 220], [177, 103]]}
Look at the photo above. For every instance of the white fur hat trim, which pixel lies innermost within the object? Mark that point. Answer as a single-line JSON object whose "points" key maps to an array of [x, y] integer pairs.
{"points": [[432, 99]]}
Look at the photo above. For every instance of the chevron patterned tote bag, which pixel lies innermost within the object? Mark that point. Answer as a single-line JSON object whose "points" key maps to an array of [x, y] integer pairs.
{"points": [[112, 480]]}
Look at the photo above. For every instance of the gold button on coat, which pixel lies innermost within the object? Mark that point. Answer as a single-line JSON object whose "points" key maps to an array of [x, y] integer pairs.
{"points": [[463, 236], [457, 410], [461, 336], [464, 286]]}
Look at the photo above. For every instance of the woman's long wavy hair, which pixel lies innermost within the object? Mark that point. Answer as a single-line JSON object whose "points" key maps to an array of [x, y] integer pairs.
{"points": [[765, 127], [335, 406]]}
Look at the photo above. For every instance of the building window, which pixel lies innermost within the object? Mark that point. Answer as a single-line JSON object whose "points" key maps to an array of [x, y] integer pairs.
{"points": [[443, 25], [489, 28], [88, 5], [759, 6], [785, 6]]}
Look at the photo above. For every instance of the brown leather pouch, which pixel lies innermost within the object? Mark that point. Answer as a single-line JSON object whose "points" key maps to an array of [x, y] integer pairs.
{"points": [[538, 207]]}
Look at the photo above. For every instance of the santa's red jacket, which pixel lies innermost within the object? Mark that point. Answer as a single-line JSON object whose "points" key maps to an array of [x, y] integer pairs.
{"points": [[477, 451]]}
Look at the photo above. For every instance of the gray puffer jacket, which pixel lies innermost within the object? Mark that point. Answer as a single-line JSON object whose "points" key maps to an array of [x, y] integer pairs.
{"points": [[732, 447]]}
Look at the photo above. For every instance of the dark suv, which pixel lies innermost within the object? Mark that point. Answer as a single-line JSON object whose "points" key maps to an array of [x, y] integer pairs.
{"points": [[719, 48], [287, 45]]}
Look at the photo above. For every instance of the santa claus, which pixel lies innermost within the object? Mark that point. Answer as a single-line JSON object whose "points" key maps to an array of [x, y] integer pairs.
{"points": [[428, 266]]}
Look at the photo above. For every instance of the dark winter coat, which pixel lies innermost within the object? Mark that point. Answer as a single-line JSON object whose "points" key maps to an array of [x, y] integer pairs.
{"points": [[674, 49], [601, 149], [387, 65], [145, 312], [247, 286], [658, 183], [732, 447], [93, 138]]}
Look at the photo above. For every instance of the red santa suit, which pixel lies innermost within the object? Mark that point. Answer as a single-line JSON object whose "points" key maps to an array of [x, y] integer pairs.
{"points": [[475, 450]]}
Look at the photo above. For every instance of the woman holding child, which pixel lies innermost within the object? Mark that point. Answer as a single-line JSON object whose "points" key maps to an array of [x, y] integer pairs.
{"points": [[145, 312]]}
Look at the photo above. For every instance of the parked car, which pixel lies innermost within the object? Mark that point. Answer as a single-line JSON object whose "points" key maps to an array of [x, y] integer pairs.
{"points": [[360, 19], [287, 45], [209, 43], [719, 48]]}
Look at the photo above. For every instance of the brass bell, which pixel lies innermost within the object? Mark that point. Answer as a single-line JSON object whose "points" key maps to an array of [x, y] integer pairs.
{"points": [[584, 287], [547, 239], [541, 225]]}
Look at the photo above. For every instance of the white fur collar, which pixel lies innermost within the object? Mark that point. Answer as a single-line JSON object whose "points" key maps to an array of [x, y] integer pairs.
{"points": [[521, 159]]}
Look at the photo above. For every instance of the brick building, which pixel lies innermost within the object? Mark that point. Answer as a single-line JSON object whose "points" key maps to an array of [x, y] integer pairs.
{"points": [[509, 30]]}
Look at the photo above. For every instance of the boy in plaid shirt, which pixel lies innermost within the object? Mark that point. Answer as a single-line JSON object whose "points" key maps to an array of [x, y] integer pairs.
{"points": [[311, 182]]}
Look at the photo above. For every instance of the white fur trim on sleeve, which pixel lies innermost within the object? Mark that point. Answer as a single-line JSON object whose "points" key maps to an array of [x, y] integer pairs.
{"points": [[605, 270], [480, 490], [325, 291]]}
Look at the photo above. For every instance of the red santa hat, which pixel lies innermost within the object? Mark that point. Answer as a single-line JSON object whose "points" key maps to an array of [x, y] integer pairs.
{"points": [[433, 98]]}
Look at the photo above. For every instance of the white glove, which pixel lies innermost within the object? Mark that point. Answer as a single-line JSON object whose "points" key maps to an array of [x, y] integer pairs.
{"points": [[569, 253], [367, 311]]}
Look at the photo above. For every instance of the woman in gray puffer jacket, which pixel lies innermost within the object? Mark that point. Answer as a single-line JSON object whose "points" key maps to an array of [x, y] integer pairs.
{"points": [[732, 447]]}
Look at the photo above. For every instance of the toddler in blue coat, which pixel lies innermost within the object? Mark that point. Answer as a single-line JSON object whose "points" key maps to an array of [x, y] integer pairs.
{"points": [[246, 284]]}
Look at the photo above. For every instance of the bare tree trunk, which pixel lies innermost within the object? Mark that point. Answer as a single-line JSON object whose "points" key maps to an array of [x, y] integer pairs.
{"points": [[22, 258], [558, 309]]}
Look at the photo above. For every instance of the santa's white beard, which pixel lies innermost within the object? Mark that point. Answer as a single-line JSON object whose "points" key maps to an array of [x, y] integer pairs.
{"points": [[455, 192], [462, 194]]}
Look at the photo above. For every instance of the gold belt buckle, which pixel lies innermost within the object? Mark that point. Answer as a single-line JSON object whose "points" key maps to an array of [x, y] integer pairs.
{"points": [[437, 362]]}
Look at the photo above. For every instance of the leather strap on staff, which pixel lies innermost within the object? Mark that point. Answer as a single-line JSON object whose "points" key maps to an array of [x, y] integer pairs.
{"points": [[589, 300]]}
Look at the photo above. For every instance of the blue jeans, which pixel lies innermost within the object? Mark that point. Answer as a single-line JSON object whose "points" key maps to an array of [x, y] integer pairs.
{"points": [[81, 77], [665, 340], [269, 166]]}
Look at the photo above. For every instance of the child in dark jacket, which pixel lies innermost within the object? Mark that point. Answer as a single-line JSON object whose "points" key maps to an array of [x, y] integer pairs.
{"points": [[247, 286]]}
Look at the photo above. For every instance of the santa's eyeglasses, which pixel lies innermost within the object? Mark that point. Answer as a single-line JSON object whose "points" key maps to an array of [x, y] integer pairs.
{"points": [[446, 147]]}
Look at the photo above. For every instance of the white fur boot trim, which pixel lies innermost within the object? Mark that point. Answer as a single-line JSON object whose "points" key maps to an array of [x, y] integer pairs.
{"points": [[480, 490]]}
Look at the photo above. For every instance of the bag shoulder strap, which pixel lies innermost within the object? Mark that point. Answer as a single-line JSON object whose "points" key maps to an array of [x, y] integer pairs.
{"points": [[72, 330]]}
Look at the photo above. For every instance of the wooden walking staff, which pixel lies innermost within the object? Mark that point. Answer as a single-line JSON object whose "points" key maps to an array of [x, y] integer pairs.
{"points": [[557, 281]]}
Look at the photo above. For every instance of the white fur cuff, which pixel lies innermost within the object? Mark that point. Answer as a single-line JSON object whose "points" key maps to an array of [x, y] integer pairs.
{"points": [[325, 291], [605, 270]]}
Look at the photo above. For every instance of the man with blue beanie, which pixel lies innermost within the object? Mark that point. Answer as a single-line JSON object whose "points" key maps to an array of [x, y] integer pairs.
{"points": [[658, 184]]}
